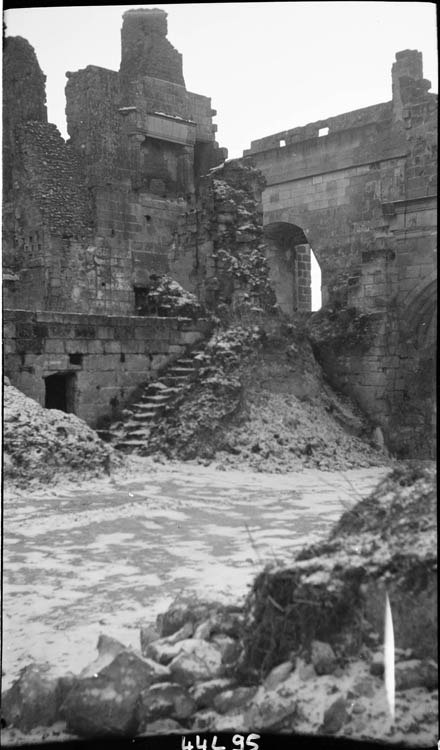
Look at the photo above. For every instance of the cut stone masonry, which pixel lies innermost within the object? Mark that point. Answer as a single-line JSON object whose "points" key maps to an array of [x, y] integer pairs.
{"points": [[138, 191], [364, 196]]}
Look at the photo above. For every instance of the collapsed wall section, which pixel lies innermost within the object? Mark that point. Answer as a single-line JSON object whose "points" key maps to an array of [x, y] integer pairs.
{"points": [[145, 48]]}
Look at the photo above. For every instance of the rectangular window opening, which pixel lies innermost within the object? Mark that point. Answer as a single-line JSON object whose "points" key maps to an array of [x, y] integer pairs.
{"points": [[322, 131], [76, 358], [282, 142]]}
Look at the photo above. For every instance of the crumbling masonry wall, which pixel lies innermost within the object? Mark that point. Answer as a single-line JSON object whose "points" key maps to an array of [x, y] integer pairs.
{"points": [[87, 221], [364, 194]]}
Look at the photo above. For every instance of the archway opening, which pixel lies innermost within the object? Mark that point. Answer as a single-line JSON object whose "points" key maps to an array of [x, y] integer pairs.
{"points": [[289, 256], [60, 391]]}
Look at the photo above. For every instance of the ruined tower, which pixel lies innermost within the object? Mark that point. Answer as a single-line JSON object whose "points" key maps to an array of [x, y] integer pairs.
{"points": [[87, 221]]}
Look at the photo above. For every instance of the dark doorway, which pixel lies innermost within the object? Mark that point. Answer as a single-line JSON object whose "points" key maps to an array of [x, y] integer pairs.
{"points": [[141, 300], [60, 391]]}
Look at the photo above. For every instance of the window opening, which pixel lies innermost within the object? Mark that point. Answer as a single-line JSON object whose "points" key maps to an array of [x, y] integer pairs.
{"points": [[76, 359]]}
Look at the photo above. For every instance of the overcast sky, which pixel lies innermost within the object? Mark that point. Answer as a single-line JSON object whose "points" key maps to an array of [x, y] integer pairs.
{"points": [[266, 66]]}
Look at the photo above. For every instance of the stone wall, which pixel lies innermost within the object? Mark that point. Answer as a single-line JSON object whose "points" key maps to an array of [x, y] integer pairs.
{"points": [[219, 250], [88, 221], [145, 48], [362, 188], [109, 356]]}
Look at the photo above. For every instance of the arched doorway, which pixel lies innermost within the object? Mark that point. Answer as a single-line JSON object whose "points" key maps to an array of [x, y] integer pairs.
{"points": [[289, 256]]}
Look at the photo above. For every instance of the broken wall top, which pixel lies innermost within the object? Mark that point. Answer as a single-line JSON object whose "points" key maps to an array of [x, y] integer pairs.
{"points": [[145, 50], [408, 88]]}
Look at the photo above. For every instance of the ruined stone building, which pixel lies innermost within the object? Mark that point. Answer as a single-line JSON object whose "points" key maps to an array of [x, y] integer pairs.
{"points": [[361, 189], [87, 223]]}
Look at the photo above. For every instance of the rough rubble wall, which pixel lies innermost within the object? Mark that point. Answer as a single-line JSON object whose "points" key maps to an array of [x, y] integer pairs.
{"points": [[89, 220], [146, 50], [219, 251], [365, 197], [109, 356], [24, 97], [47, 211], [86, 222]]}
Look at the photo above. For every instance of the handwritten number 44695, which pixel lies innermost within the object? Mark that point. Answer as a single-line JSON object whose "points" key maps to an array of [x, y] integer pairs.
{"points": [[239, 742]]}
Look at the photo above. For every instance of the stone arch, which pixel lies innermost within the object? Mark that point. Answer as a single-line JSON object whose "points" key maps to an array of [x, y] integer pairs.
{"points": [[419, 319], [288, 255], [417, 351]]}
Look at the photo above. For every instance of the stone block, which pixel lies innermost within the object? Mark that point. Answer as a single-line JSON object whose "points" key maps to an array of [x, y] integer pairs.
{"points": [[98, 379], [98, 363], [9, 347], [34, 698], [160, 347], [112, 347], [95, 347], [104, 332], [54, 346], [8, 330], [107, 393]]}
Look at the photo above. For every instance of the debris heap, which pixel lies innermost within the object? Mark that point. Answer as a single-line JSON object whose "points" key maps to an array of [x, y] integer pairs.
{"points": [[303, 656], [42, 444]]}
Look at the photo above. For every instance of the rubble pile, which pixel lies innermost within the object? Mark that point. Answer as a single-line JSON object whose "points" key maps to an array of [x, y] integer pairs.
{"points": [[42, 444], [272, 665], [335, 590], [261, 402], [166, 297], [195, 424]]}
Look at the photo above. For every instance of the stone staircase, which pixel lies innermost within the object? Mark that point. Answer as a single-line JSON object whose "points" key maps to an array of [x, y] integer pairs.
{"points": [[132, 434]]}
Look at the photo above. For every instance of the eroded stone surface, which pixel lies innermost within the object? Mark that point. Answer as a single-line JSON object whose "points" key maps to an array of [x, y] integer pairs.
{"points": [[199, 661], [164, 700]]}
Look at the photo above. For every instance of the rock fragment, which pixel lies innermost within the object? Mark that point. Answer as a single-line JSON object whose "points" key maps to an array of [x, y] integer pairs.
{"points": [[34, 698], [335, 716], [164, 700], [323, 657], [202, 661]]}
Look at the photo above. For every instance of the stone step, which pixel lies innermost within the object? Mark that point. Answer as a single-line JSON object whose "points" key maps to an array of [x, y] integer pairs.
{"points": [[130, 444], [165, 391], [156, 396], [149, 408], [144, 416], [158, 385], [178, 380], [137, 434], [159, 399], [182, 370], [146, 406], [135, 424]]}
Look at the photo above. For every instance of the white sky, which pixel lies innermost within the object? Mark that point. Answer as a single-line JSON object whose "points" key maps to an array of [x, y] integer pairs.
{"points": [[266, 66]]}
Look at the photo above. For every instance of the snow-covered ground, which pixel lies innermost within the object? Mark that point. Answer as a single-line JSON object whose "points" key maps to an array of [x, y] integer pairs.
{"points": [[109, 554]]}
